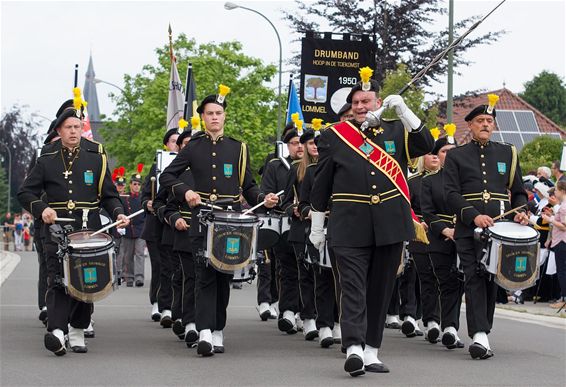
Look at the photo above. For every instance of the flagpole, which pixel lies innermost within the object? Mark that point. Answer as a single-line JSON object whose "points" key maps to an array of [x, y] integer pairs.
{"points": [[170, 42], [289, 99], [187, 86], [76, 84]]}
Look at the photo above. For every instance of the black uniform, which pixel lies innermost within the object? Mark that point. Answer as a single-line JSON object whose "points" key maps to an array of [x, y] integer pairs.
{"points": [[221, 170], [478, 177], [175, 210], [130, 244], [297, 269], [327, 287], [152, 233], [367, 238], [442, 251], [72, 180]]}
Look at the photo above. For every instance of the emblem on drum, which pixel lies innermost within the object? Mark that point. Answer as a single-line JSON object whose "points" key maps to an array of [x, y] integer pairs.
{"points": [[521, 264], [228, 170], [501, 168], [232, 245], [89, 274]]}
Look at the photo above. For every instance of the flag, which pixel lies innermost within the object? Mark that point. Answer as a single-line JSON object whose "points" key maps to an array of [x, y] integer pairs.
{"points": [[175, 104], [191, 102], [87, 130], [293, 104]]}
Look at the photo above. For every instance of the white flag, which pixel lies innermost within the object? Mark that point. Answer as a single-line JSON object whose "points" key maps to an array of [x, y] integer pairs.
{"points": [[176, 98]]}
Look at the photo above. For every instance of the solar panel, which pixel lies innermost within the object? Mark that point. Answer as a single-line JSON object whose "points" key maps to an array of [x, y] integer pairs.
{"points": [[528, 137], [513, 138], [496, 136], [526, 121], [506, 121]]}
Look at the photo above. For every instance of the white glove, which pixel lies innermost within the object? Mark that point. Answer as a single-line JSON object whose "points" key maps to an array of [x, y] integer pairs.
{"points": [[411, 122], [121, 231], [317, 229]]}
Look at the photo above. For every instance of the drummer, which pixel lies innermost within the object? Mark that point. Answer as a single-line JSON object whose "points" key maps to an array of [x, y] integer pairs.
{"points": [[221, 170], [479, 176], [73, 174]]}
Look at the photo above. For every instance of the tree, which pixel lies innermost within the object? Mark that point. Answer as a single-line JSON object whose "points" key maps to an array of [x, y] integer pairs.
{"points": [[315, 83], [141, 109], [414, 97], [403, 30], [21, 137], [547, 92], [542, 151], [3, 192]]}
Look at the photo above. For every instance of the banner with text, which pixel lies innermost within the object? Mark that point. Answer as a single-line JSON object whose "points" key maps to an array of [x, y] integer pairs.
{"points": [[329, 69]]}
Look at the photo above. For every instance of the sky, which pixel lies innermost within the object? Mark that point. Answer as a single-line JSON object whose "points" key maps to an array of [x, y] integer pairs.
{"points": [[41, 41]]}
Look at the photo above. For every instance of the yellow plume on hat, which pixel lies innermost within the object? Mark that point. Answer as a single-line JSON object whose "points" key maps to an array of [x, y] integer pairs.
{"points": [[183, 123], [78, 101], [295, 117], [299, 124], [365, 75], [195, 122], [435, 133], [223, 91], [492, 100], [450, 130], [316, 123]]}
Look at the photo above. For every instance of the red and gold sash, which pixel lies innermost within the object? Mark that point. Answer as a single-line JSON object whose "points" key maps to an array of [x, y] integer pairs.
{"points": [[382, 161]]}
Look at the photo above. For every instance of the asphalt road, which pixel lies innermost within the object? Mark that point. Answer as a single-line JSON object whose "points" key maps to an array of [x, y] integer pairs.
{"points": [[130, 349]]}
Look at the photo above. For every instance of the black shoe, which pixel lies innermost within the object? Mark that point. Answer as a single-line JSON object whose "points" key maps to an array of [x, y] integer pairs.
{"points": [[53, 344], [139, 283], [449, 340], [166, 322], [478, 351], [343, 349], [265, 315], [156, 317], [43, 316], [432, 335], [89, 334], [394, 325], [354, 365], [459, 344], [218, 349], [327, 342], [418, 332], [130, 284], [285, 325], [408, 329], [79, 349], [191, 338], [378, 368], [204, 348], [310, 336], [179, 329]]}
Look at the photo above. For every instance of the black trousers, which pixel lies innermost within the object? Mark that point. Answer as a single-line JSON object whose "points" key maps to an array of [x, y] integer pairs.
{"points": [[479, 287], [367, 278], [212, 291], [394, 302], [166, 261], [61, 308], [429, 291], [288, 277], [410, 293], [451, 285], [42, 277], [176, 287], [153, 250], [267, 279], [306, 283], [188, 286], [325, 298], [337, 288]]}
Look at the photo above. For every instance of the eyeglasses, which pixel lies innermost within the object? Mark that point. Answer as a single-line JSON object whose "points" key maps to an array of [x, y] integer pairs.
{"points": [[136, 183], [294, 143]]}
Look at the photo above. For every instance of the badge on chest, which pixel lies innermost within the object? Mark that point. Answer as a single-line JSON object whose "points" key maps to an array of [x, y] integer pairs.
{"points": [[390, 147], [228, 170], [501, 168], [89, 177]]}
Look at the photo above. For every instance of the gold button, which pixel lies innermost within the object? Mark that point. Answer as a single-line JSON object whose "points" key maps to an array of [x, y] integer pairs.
{"points": [[375, 199], [483, 164], [213, 153], [213, 177], [481, 147], [372, 173], [213, 165], [486, 196], [70, 181], [70, 191], [70, 212], [70, 205], [70, 163], [214, 190], [485, 181], [213, 197], [483, 172], [482, 156], [374, 186], [213, 142]]}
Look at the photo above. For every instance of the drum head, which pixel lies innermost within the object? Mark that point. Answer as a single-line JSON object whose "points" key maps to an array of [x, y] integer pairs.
{"points": [[511, 231], [84, 240], [234, 217]]}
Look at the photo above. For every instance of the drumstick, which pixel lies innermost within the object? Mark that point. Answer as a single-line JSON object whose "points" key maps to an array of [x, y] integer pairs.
{"points": [[528, 220], [152, 188], [116, 223], [508, 212], [212, 206], [64, 219], [260, 204]]}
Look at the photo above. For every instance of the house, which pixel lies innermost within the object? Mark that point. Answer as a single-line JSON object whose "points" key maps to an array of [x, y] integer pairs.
{"points": [[517, 121]]}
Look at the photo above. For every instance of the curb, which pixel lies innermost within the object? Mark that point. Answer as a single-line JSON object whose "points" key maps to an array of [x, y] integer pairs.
{"points": [[527, 317], [8, 262]]}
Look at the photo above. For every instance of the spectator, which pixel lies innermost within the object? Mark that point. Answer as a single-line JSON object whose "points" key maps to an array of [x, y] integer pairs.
{"points": [[556, 172], [543, 175], [18, 233], [27, 237], [558, 240], [7, 230]]}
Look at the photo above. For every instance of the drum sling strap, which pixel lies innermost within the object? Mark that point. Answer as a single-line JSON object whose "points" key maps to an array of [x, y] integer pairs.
{"points": [[383, 162], [242, 163]]}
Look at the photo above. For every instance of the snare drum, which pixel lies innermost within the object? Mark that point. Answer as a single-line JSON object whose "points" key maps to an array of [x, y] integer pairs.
{"points": [[512, 255], [319, 257], [231, 239], [89, 266], [269, 231]]}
